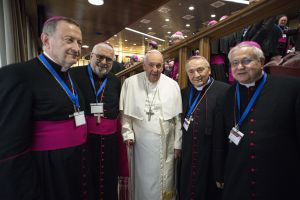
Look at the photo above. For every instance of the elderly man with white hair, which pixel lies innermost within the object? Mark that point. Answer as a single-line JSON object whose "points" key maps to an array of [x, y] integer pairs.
{"points": [[151, 104], [262, 119], [203, 133]]}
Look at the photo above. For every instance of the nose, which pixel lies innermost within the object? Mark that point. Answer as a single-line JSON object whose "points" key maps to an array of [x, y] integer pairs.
{"points": [[76, 47]]}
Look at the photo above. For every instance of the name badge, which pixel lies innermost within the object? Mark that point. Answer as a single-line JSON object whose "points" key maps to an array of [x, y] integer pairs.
{"points": [[235, 136], [96, 108], [79, 118]]}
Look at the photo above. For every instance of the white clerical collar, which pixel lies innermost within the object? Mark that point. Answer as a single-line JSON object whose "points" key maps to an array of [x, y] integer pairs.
{"points": [[202, 86], [49, 56], [247, 85], [63, 69]]}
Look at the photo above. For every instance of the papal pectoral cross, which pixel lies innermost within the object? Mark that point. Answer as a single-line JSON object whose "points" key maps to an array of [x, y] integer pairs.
{"points": [[149, 113]]}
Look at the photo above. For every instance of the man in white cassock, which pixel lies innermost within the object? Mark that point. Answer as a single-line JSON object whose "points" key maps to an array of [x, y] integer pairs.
{"points": [[151, 103]]}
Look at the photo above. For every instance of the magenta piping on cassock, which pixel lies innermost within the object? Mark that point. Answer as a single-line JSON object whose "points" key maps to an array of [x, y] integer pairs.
{"points": [[54, 135], [217, 59], [106, 126]]}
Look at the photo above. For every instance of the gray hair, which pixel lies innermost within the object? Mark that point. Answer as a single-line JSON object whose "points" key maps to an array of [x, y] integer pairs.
{"points": [[151, 52], [50, 25], [258, 53], [105, 46], [196, 58]]}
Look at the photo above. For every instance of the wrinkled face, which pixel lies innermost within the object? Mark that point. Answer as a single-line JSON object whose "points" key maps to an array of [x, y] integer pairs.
{"points": [[64, 45], [246, 68], [101, 61], [153, 66], [198, 72], [282, 21]]}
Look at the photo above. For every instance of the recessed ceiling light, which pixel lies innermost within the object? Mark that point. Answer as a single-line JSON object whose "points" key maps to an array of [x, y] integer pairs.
{"points": [[149, 28], [238, 1], [167, 20], [148, 35], [187, 25], [213, 15], [146, 38], [96, 2], [115, 35], [191, 8], [85, 46], [125, 40], [107, 42], [134, 44], [169, 32], [185, 36]]}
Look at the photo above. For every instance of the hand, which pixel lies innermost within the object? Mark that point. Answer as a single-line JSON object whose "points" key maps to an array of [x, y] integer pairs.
{"points": [[177, 153], [129, 142], [220, 185]]}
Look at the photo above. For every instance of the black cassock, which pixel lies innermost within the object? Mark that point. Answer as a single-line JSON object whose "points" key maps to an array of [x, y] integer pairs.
{"points": [[30, 94], [202, 145], [102, 148], [266, 163]]}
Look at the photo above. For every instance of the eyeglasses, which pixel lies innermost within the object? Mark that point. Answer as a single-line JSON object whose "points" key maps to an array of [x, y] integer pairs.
{"points": [[244, 61], [102, 57]]}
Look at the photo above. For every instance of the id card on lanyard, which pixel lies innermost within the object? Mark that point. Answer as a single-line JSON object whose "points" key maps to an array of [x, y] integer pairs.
{"points": [[73, 95], [188, 117], [96, 108], [236, 135]]}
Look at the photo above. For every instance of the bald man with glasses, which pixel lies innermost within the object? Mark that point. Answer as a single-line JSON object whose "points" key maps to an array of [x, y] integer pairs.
{"points": [[101, 91]]}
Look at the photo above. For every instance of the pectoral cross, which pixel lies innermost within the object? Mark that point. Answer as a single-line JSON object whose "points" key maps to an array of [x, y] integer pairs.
{"points": [[149, 113], [98, 115]]}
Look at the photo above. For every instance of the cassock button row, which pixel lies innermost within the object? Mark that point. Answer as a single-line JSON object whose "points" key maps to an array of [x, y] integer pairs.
{"points": [[252, 156], [252, 170], [252, 144], [251, 120], [252, 132]]}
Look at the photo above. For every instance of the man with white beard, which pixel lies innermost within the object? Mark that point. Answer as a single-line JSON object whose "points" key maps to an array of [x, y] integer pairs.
{"points": [[101, 91]]}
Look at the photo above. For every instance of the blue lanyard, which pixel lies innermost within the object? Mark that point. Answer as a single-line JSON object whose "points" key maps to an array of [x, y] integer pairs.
{"points": [[191, 107], [252, 100], [93, 84], [72, 95]]}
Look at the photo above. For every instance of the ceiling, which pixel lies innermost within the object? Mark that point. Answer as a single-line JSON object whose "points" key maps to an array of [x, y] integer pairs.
{"points": [[107, 22]]}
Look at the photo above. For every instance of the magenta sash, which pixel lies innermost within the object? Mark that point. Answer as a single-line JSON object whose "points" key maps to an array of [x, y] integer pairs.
{"points": [[106, 126], [217, 59], [53, 135]]}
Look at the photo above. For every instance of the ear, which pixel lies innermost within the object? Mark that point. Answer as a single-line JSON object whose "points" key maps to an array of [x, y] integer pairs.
{"points": [[262, 62], [45, 40], [91, 56]]}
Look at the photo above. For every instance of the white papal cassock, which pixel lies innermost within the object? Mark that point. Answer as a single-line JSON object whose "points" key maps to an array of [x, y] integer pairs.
{"points": [[155, 139]]}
